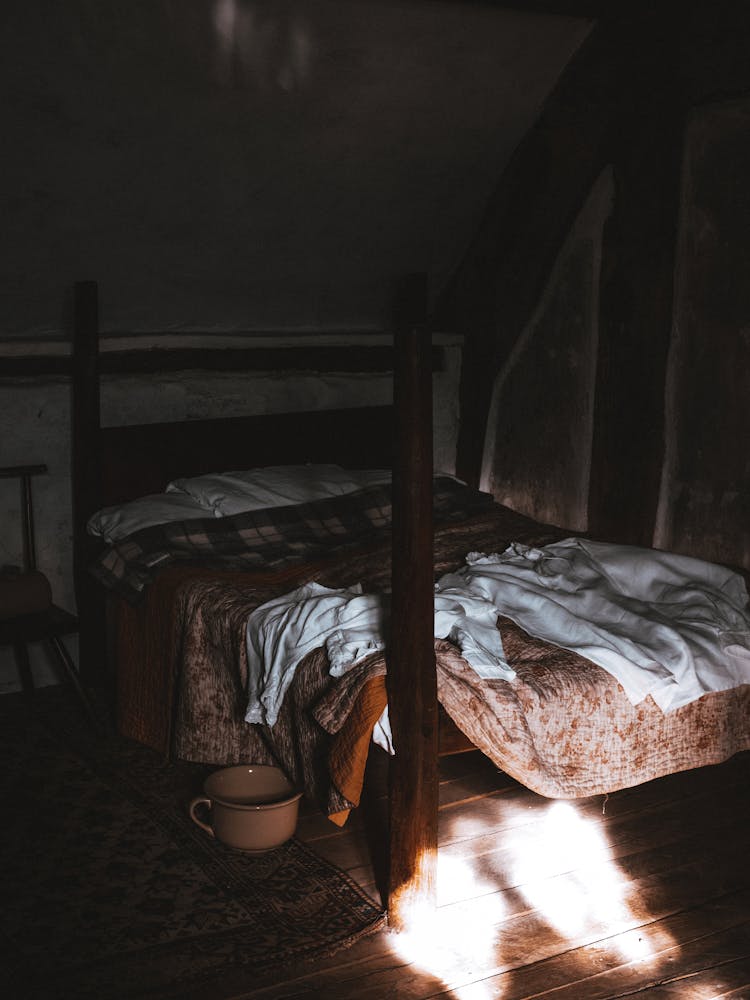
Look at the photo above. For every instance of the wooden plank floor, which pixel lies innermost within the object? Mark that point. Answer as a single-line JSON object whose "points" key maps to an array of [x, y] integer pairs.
{"points": [[644, 893]]}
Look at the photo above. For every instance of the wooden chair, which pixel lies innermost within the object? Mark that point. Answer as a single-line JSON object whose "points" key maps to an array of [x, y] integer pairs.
{"points": [[47, 623]]}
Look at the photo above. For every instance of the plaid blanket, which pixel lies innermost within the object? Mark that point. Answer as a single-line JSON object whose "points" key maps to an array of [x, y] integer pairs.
{"points": [[270, 538]]}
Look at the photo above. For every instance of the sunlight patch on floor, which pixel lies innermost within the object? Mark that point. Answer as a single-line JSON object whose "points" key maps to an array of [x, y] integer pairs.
{"points": [[590, 892], [451, 941], [457, 828], [560, 878], [460, 827], [566, 843]]}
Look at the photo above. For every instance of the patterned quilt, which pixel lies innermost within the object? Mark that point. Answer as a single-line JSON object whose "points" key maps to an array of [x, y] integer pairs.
{"points": [[563, 727], [269, 539]]}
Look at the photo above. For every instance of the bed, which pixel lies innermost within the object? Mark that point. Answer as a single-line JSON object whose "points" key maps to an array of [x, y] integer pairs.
{"points": [[176, 636]]}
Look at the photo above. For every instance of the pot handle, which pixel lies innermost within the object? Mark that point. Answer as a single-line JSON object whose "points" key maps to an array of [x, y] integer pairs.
{"points": [[199, 800]]}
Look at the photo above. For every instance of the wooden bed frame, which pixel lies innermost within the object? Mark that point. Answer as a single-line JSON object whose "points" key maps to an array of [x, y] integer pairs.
{"points": [[112, 465], [115, 464]]}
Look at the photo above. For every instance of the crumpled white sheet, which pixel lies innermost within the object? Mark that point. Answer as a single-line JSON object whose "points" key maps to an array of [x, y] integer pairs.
{"points": [[351, 625], [652, 619]]}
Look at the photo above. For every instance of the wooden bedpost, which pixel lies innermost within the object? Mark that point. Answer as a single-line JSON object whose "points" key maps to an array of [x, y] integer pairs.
{"points": [[411, 680], [85, 423]]}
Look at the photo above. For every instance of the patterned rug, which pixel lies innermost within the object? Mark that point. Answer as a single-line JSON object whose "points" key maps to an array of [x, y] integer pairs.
{"points": [[110, 891]]}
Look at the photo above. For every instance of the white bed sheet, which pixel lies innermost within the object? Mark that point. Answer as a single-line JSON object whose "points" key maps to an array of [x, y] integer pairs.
{"points": [[654, 620]]}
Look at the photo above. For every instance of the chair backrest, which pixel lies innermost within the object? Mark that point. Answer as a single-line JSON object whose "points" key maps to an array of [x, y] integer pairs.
{"points": [[25, 473]]}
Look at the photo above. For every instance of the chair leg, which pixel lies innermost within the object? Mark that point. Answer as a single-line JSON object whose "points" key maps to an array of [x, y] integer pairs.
{"points": [[71, 673], [24, 667]]}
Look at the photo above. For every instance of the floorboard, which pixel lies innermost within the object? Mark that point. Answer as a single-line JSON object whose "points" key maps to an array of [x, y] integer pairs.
{"points": [[642, 893]]}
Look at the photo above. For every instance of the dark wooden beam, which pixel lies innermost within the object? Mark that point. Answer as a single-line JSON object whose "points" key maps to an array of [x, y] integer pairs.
{"points": [[411, 679], [344, 358], [35, 365], [636, 306]]}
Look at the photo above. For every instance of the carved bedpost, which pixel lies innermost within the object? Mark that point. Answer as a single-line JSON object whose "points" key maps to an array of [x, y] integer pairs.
{"points": [[411, 681], [85, 423]]}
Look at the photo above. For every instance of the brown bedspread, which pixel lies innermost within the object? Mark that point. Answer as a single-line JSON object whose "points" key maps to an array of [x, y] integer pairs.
{"points": [[563, 727]]}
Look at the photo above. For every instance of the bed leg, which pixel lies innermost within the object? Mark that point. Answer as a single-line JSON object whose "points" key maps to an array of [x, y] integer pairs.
{"points": [[411, 680]]}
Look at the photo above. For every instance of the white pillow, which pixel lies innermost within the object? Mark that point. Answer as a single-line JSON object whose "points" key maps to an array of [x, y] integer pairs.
{"points": [[114, 523], [275, 486]]}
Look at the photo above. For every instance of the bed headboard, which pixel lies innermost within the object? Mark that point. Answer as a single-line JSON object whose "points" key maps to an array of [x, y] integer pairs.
{"points": [[115, 464], [140, 459]]}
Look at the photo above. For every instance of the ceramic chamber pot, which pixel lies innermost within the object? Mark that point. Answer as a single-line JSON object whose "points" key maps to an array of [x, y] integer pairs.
{"points": [[252, 807]]}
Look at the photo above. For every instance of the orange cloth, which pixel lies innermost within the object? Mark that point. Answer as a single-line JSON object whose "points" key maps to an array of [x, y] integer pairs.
{"points": [[348, 755]]}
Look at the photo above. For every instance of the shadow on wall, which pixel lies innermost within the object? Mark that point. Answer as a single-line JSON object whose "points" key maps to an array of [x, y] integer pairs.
{"points": [[537, 456]]}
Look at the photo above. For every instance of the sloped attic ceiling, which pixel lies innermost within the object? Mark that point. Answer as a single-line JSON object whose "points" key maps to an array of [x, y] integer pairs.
{"points": [[251, 165]]}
